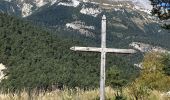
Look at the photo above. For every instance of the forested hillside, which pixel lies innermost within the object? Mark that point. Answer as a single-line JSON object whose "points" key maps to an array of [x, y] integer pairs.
{"points": [[36, 58]]}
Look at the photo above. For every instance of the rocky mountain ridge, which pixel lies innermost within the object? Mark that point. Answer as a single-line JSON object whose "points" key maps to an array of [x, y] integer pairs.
{"points": [[27, 7]]}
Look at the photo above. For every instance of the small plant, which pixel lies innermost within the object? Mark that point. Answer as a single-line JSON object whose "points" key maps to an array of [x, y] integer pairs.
{"points": [[119, 95], [138, 91]]}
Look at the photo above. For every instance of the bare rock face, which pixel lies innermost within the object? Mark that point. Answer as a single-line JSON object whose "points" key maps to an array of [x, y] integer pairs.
{"points": [[81, 27], [27, 7], [148, 48], [2, 67]]}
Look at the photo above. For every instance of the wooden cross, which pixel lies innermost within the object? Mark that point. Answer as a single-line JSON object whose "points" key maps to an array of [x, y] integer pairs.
{"points": [[103, 50]]}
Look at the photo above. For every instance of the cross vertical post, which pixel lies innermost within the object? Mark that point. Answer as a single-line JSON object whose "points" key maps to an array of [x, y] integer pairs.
{"points": [[103, 58]]}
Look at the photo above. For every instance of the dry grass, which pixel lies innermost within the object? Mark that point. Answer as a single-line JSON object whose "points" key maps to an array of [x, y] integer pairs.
{"points": [[68, 94]]}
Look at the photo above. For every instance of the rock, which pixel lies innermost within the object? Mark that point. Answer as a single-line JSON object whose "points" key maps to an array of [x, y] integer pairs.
{"points": [[2, 67]]}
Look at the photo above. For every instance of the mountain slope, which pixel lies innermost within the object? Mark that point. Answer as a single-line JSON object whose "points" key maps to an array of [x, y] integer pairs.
{"points": [[37, 59], [10, 8], [124, 24], [81, 20]]}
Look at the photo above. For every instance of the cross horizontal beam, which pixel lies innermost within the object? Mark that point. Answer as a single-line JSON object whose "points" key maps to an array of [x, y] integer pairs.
{"points": [[109, 50], [95, 49]]}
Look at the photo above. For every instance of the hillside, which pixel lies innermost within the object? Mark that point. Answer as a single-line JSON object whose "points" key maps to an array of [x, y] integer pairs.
{"points": [[128, 21], [39, 59], [124, 25]]}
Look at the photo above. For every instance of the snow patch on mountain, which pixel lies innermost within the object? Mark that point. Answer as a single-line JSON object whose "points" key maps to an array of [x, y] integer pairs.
{"points": [[8, 0], [142, 9], [81, 27], [40, 3], [26, 9], [53, 1], [144, 4], [91, 11], [119, 25], [73, 3], [141, 5], [85, 1], [118, 9]]}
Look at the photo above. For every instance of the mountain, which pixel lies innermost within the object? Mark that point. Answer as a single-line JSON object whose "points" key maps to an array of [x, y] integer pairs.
{"points": [[125, 24], [127, 21], [35, 58], [39, 57], [27, 7]]}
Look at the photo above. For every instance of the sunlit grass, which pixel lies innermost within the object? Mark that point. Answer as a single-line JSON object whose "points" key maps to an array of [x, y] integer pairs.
{"points": [[66, 94]]}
